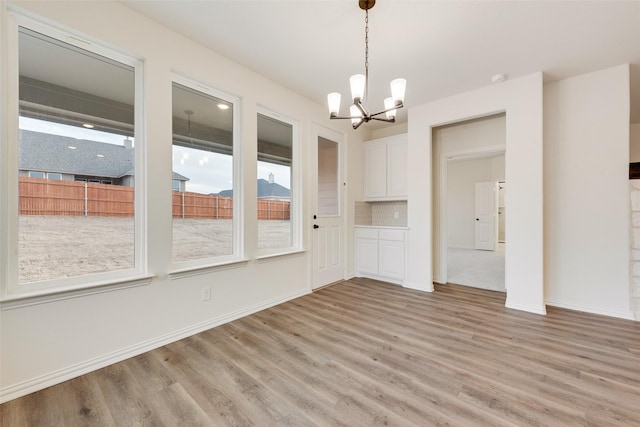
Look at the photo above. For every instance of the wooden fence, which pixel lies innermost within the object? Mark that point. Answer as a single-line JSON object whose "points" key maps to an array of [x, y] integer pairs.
{"points": [[196, 205], [69, 198], [274, 209]]}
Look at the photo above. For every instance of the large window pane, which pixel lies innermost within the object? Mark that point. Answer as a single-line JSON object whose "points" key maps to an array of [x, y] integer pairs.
{"points": [[202, 180], [275, 159], [76, 161]]}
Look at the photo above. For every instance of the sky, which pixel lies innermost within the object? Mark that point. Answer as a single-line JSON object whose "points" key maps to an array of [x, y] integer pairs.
{"points": [[208, 173]]}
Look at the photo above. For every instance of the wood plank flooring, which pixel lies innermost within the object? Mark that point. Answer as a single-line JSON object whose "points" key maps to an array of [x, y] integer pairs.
{"points": [[367, 353]]}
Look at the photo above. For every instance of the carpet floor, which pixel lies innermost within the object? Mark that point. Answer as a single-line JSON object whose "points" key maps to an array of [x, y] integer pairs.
{"points": [[479, 269]]}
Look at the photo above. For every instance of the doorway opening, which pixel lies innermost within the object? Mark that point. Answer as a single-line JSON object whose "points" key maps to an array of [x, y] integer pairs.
{"points": [[469, 199]]}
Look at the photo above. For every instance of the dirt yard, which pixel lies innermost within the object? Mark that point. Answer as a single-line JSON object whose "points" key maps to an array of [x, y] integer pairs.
{"points": [[61, 246]]}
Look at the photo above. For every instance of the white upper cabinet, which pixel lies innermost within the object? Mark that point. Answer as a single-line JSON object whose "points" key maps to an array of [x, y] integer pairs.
{"points": [[385, 168]]}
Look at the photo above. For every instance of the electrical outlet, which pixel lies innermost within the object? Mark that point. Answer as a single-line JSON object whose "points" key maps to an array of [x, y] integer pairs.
{"points": [[206, 294]]}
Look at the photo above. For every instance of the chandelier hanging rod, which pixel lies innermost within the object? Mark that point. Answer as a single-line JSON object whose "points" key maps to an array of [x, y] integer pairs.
{"points": [[360, 89]]}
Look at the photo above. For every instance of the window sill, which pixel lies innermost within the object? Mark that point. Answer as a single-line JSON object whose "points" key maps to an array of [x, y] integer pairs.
{"points": [[269, 257], [206, 268], [45, 296]]}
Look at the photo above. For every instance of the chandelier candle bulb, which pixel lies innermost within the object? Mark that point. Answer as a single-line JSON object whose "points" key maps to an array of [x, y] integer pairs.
{"points": [[389, 103], [333, 99], [398, 87], [358, 83]]}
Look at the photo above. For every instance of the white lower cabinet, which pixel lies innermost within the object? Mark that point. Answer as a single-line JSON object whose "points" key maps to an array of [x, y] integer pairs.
{"points": [[380, 253]]}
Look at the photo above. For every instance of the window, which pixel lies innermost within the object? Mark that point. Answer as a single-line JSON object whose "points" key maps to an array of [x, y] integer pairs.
{"points": [[175, 185], [276, 213], [205, 226], [76, 108]]}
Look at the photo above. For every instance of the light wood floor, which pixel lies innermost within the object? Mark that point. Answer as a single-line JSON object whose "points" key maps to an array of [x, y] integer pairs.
{"points": [[365, 353]]}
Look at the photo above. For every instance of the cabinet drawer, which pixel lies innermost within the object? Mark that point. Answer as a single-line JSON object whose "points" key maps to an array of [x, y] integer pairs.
{"points": [[367, 233], [397, 235]]}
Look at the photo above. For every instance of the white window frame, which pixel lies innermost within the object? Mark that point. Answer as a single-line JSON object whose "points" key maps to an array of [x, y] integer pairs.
{"points": [[201, 265], [13, 293], [295, 203], [32, 174]]}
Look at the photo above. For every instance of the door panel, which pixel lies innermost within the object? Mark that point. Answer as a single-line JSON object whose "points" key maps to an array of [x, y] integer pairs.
{"points": [[391, 259], [485, 215], [328, 258]]}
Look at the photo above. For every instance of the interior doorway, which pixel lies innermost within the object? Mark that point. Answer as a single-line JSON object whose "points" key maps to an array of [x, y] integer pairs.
{"points": [[469, 236]]}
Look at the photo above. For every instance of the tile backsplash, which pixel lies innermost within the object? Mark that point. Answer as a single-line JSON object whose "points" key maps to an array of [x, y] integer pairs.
{"points": [[385, 214], [363, 213]]}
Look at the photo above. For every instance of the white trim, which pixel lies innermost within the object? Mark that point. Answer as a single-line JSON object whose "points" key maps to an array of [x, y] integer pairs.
{"points": [[419, 287], [381, 278], [284, 254], [627, 315], [295, 201], [14, 290], [56, 377], [51, 295], [528, 308], [443, 223], [237, 221], [197, 270]]}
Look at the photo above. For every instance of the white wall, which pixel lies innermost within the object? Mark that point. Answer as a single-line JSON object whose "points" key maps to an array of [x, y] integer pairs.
{"points": [[521, 99], [462, 176], [47, 343], [634, 143], [393, 130], [586, 209]]}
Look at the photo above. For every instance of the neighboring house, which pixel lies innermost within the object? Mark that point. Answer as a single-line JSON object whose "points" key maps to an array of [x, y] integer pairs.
{"points": [[267, 190], [65, 158]]}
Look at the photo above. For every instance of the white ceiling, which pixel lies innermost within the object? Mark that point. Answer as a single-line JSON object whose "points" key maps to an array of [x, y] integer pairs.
{"points": [[441, 47]]}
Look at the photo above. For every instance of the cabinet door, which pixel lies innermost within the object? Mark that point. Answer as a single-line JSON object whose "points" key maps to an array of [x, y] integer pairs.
{"points": [[397, 169], [367, 256], [375, 171], [391, 259]]}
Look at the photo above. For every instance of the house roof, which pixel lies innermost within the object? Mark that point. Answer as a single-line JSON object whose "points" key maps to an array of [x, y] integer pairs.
{"points": [[266, 189], [63, 154]]}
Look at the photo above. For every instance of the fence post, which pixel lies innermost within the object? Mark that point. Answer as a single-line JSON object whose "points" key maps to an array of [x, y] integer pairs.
{"points": [[217, 203], [183, 205], [86, 202]]}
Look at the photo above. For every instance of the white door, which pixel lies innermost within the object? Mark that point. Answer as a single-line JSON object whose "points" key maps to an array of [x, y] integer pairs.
{"points": [[485, 216], [328, 257], [375, 170], [366, 256], [397, 169], [391, 259]]}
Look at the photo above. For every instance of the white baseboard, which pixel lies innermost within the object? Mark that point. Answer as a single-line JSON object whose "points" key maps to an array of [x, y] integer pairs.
{"points": [[528, 308], [627, 315], [29, 386], [425, 287]]}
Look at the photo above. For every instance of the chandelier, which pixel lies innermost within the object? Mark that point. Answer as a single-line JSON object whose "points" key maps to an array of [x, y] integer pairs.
{"points": [[360, 87]]}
